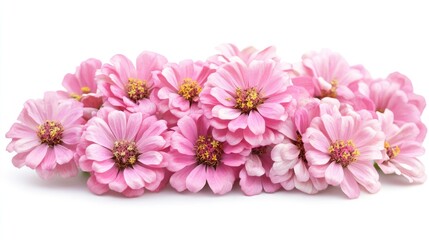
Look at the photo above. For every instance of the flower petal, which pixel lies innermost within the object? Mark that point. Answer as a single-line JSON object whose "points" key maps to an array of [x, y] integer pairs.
{"points": [[220, 179], [133, 179], [256, 123], [196, 178], [36, 156], [334, 174]]}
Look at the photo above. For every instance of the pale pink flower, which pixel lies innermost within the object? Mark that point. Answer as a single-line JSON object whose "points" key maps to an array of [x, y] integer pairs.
{"points": [[254, 176], [82, 86], [46, 136], [401, 149], [125, 153], [396, 94], [196, 158], [228, 52], [247, 104], [327, 74], [179, 89], [129, 87], [342, 149], [290, 167]]}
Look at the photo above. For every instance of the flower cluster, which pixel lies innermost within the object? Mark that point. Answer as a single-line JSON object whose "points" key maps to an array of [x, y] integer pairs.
{"points": [[241, 116]]}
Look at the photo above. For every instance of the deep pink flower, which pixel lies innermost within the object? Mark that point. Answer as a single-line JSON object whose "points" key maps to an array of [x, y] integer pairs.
{"points": [[180, 87], [254, 176], [82, 86], [228, 52], [290, 167], [46, 135], [125, 153], [327, 74], [396, 94], [247, 104], [401, 149], [129, 87], [342, 149], [196, 158]]}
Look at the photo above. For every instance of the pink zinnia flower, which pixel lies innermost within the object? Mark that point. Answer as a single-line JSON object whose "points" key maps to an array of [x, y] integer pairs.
{"points": [[290, 167], [326, 74], [228, 52], [82, 86], [46, 135], [180, 87], [396, 94], [130, 88], [342, 149], [254, 176], [125, 153], [247, 104], [196, 158], [401, 149]]}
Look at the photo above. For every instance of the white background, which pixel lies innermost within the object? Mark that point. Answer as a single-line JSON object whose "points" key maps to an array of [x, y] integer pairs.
{"points": [[42, 40]]}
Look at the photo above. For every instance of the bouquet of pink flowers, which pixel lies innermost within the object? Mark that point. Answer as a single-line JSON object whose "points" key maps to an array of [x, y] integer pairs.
{"points": [[241, 116]]}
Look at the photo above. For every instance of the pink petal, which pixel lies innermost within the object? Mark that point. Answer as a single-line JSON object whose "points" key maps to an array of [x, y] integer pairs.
{"points": [[119, 184], [188, 128], [222, 96], [318, 140], [196, 178], [233, 138], [253, 166], [349, 185], [315, 157], [272, 110], [103, 166], [178, 179], [133, 125], [151, 143], [108, 176], [67, 170], [182, 144], [124, 68], [98, 153], [252, 139], [250, 185], [96, 187], [301, 172], [239, 123], [118, 124], [330, 127], [366, 175], [256, 123], [99, 132], [334, 174], [25, 144], [233, 160], [151, 158], [148, 175], [36, 156], [147, 62], [72, 136], [225, 113], [49, 162], [177, 161], [133, 179], [62, 154], [155, 129], [220, 179], [19, 159]]}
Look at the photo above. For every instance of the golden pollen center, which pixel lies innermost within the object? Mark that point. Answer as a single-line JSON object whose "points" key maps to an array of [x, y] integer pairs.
{"points": [[85, 90], [343, 152], [125, 153], [137, 89], [331, 92], [208, 151], [248, 100], [189, 89], [392, 152], [50, 133]]}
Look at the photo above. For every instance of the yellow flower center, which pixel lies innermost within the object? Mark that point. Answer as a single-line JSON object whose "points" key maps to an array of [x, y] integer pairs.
{"points": [[50, 133], [343, 152], [125, 153], [392, 152], [137, 89], [208, 151], [247, 100], [189, 89], [85, 90], [331, 92]]}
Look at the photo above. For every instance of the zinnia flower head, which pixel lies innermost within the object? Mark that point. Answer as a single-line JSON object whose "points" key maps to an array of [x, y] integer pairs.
{"points": [[82, 86], [326, 74], [129, 87], [196, 157], [46, 135], [401, 149], [396, 94], [342, 149], [247, 104], [254, 175], [179, 89], [125, 153], [290, 167]]}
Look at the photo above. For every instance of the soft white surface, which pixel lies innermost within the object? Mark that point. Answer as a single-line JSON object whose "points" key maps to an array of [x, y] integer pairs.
{"points": [[43, 40]]}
